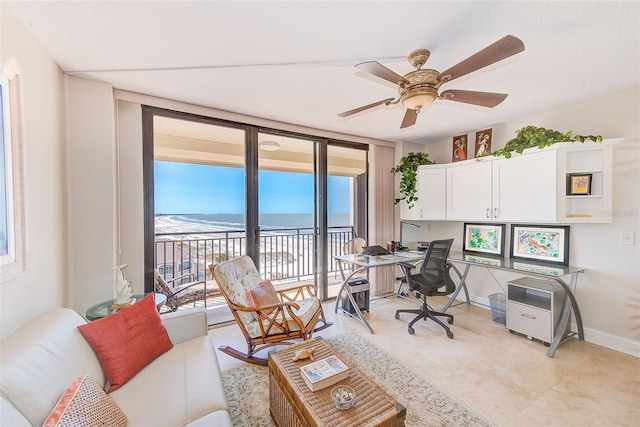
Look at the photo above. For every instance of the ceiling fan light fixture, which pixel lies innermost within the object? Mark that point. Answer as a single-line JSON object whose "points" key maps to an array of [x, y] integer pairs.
{"points": [[419, 98], [269, 146]]}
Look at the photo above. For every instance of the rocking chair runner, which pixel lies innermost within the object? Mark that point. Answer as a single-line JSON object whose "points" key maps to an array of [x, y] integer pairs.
{"points": [[294, 316]]}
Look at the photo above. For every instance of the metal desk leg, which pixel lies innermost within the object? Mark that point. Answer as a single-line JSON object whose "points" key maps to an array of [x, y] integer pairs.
{"points": [[461, 284], [352, 299], [569, 303]]}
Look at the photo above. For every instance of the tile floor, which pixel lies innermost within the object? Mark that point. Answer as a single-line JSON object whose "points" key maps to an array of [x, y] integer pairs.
{"points": [[505, 377]]}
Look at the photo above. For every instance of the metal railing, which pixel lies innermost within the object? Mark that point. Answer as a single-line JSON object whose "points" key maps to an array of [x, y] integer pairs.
{"points": [[286, 254]]}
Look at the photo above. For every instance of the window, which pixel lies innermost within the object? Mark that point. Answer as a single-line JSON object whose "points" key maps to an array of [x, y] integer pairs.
{"points": [[12, 252]]}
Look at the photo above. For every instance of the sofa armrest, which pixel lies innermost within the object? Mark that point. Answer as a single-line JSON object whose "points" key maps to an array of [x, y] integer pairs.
{"points": [[184, 325]]}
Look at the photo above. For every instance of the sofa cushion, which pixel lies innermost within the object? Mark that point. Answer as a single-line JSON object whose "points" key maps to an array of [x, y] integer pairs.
{"points": [[261, 295], [127, 341], [179, 387], [41, 359], [85, 404]]}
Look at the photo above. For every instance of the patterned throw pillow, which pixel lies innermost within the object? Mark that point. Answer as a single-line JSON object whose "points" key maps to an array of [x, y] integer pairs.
{"points": [[262, 294], [85, 404], [127, 341]]}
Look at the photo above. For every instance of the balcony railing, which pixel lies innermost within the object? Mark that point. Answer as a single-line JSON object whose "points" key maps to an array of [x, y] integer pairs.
{"points": [[286, 254]]}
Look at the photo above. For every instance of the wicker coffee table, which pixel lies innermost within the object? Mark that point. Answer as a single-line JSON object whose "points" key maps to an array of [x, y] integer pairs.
{"points": [[291, 403]]}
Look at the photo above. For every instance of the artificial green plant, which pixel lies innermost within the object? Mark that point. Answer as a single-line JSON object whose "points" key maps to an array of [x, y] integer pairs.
{"points": [[408, 168], [532, 136]]}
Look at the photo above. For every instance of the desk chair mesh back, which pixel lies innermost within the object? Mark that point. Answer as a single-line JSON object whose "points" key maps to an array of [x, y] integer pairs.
{"points": [[432, 280]]}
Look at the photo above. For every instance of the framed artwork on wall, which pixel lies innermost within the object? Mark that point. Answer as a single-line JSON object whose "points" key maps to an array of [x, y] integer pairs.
{"points": [[483, 142], [459, 149], [546, 243], [579, 184], [484, 238]]}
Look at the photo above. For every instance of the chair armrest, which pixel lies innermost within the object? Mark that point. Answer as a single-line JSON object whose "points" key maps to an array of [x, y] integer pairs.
{"points": [[186, 324], [187, 286], [299, 290], [282, 304], [191, 276]]}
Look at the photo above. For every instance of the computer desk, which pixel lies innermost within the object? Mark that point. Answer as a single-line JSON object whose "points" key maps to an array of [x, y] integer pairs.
{"points": [[364, 262], [528, 268]]}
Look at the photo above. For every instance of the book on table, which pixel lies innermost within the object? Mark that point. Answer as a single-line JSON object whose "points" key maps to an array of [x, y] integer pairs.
{"points": [[324, 373]]}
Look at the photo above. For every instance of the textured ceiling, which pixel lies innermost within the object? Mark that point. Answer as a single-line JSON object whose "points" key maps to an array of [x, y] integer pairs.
{"points": [[294, 61]]}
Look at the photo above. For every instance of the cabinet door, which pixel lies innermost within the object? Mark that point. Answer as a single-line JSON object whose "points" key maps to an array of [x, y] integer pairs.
{"points": [[433, 194], [524, 188], [469, 191]]}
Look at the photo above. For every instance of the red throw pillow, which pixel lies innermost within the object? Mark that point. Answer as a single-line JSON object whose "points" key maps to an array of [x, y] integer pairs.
{"points": [[127, 341], [262, 294], [85, 404]]}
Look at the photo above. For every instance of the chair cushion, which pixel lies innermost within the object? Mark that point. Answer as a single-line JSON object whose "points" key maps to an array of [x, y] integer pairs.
{"points": [[308, 309], [127, 341], [85, 404], [262, 294], [235, 278]]}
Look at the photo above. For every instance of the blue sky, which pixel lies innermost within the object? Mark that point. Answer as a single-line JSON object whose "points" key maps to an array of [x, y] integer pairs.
{"points": [[198, 189]]}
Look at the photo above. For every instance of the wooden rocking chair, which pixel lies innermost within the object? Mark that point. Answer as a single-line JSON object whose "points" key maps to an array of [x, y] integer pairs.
{"points": [[294, 316]]}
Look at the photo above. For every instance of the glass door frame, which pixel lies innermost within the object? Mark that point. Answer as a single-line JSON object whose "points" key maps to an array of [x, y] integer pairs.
{"points": [[252, 227]]}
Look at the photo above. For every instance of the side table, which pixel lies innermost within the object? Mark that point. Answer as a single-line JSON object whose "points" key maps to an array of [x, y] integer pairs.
{"points": [[103, 309]]}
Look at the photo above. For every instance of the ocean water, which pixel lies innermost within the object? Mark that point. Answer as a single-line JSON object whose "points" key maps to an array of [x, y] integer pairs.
{"points": [[227, 222]]}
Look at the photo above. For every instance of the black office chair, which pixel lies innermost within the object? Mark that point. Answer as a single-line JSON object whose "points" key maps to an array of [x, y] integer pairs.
{"points": [[434, 279]]}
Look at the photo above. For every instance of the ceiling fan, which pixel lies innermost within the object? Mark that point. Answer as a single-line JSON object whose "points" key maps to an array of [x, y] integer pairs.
{"points": [[418, 89]]}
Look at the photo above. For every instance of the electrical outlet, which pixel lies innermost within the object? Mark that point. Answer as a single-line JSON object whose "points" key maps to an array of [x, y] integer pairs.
{"points": [[628, 238]]}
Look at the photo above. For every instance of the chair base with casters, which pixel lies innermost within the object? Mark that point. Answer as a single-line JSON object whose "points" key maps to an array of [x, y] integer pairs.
{"points": [[424, 313], [296, 314], [432, 280]]}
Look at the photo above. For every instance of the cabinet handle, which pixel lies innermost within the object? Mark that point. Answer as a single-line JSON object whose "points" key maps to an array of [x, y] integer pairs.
{"points": [[487, 213], [528, 316], [495, 212]]}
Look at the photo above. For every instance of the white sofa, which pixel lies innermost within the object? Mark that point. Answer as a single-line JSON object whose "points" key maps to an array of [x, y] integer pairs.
{"points": [[181, 387]]}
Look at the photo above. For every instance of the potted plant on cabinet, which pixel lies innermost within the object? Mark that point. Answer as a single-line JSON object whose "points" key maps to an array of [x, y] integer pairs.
{"points": [[532, 136], [408, 168]]}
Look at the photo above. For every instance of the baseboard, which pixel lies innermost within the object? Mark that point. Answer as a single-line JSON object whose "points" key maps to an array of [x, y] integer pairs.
{"points": [[594, 336]]}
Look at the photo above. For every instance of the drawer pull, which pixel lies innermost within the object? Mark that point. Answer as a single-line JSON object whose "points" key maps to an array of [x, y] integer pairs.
{"points": [[528, 316]]}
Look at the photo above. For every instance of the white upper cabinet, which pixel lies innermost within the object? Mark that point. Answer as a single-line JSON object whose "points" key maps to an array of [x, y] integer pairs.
{"points": [[524, 188], [536, 186], [469, 191], [433, 191]]}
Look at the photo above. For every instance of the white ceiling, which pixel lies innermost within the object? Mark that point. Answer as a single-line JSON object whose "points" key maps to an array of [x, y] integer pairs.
{"points": [[294, 61]]}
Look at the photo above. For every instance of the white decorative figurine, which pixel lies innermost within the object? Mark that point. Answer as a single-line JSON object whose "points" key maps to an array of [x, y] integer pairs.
{"points": [[123, 289]]}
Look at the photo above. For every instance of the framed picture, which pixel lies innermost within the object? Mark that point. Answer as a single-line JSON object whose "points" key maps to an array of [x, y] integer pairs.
{"points": [[484, 238], [546, 243], [459, 149], [483, 142], [579, 184]]}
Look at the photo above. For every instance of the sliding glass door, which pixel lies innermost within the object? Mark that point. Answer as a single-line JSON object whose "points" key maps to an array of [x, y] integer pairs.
{"points": [[216, 190]]}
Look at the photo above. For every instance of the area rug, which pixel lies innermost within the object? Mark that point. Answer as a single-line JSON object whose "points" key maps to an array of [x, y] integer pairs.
{"points": [[247, 389]]}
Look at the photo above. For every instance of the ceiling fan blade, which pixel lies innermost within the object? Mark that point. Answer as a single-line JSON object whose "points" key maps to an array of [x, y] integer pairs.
{"points": [[502, 49], [484, 99], [409, 118], [377, 69], [365, 107]]}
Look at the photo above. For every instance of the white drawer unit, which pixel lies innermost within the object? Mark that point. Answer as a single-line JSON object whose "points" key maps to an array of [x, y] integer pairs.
{"points": [[534, 307]]}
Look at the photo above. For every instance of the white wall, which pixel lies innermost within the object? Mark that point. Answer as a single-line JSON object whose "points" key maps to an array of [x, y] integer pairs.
{"points": [[608, 293], [43, 286], [91, 174]]}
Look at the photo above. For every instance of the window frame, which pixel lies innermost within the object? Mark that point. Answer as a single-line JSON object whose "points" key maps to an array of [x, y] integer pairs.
{"points": [[13, 263]]}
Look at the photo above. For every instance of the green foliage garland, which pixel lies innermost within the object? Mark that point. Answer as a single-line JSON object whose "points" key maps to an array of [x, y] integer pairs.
{"points": [[531, 136], [408, 167]]}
